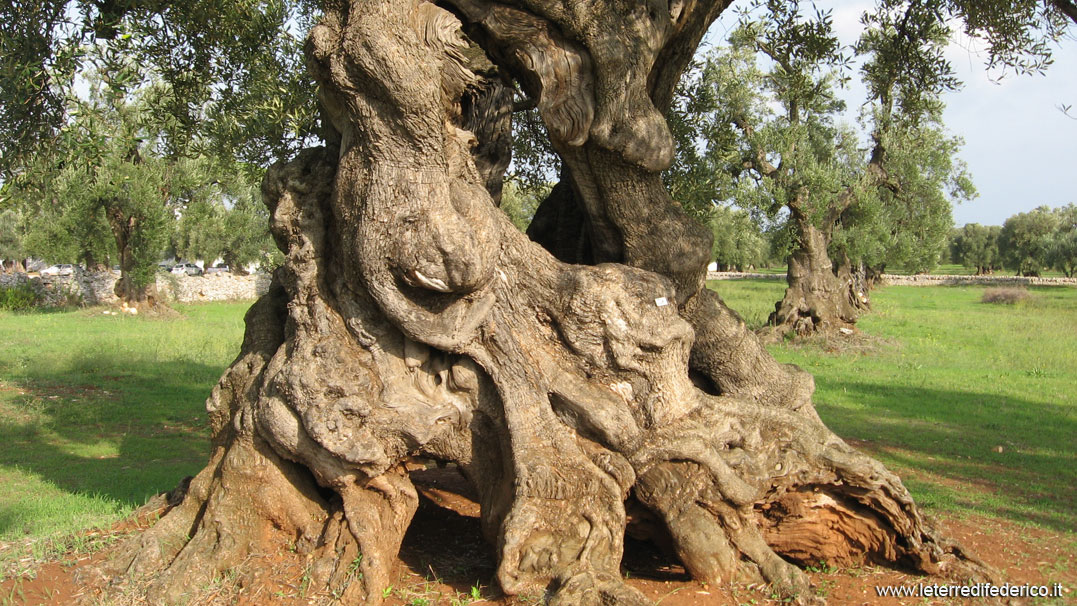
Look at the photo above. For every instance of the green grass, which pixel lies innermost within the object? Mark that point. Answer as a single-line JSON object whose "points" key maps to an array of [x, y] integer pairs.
{"points": [[753, 299], [98, 413], [949, 381]]}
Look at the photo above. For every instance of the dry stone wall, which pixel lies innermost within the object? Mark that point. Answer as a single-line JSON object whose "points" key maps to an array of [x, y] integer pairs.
{"points": [[919, 280], [933, 280], [97, 288], [212, 287]]}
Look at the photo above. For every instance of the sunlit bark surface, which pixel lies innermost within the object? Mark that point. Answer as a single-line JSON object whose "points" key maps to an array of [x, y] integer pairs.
{"points": [[412, 319]]}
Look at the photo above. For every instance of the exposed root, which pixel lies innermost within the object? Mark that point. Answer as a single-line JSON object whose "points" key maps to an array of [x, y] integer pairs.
{"points": [[411, 318], [798, 493]]}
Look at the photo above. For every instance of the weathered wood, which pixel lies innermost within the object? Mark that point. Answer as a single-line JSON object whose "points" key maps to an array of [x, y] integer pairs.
{"points": [[412, 318]]}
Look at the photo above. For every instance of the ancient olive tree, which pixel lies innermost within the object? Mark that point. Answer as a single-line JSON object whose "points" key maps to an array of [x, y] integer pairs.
{"points": [[412, 318], [772, 130], [563, 374]]}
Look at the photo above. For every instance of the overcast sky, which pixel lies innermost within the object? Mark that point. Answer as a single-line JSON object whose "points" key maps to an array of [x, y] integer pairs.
{"points": [[1020, 148]]}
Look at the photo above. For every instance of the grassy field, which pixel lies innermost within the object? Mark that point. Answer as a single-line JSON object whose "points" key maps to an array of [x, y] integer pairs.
{"points": [[99, 412], [974, 404]]}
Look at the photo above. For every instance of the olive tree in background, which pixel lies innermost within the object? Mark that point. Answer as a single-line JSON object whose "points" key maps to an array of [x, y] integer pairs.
{"points": [[1063, 252], [105, 194], [12, 238], [1025, 241], [739, 243], [225, 219], [846, 208], [976, 246]]}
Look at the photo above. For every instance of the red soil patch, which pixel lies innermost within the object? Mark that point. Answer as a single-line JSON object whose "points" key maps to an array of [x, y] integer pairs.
{"points": [[444, 557]]}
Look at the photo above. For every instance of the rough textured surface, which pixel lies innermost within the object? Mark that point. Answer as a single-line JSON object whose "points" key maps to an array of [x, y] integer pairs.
{"points": [[818, 298], [920, 279], [213, 287], [99, 288], [412, 319]]}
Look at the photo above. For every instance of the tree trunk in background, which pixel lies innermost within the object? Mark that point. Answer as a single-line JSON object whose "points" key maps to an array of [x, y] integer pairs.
{"points": [[818, 298], [873, 274], [857, 282], [142, 298], [89, 261], [411, 318]]}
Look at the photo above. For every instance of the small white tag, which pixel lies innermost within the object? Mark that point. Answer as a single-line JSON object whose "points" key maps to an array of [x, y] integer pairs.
{"points": [[661, 302]]}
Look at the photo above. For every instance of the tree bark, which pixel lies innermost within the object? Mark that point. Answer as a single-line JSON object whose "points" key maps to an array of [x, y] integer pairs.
{"points": [[857, 281], [142, 298], [411, 318], [819, 297]]}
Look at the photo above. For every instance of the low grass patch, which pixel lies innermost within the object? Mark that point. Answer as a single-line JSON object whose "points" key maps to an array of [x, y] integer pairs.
{"points": [[97, 413], [1008, 295], [973, 404]]}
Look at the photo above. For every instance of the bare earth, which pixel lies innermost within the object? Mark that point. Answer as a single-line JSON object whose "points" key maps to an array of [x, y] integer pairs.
{"points": [[445, 561]]}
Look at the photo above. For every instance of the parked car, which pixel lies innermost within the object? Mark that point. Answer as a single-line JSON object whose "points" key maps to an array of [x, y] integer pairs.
{"points": [[187, 268], [63, 269], [219, 269]]}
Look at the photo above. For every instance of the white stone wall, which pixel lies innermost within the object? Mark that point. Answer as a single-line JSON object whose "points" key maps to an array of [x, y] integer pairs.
{"points": [[939, 280], [212, 287], [96, 288], [741, 275], [919, 280]]}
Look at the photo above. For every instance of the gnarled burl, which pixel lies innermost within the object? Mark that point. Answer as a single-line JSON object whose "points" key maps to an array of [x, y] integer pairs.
{"points": [[411, 319]]}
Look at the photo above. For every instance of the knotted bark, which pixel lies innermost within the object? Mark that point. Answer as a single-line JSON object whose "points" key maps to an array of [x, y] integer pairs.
{"points": [[411, 318]]}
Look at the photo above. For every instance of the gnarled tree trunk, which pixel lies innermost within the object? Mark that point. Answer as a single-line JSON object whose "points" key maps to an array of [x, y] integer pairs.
{"points": [[411, 318], [819, 296], [132, 294]]}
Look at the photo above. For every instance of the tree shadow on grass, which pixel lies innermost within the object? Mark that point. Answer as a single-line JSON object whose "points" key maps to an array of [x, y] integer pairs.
{"points": [[109, 428], [1020, 454], [123, 430]]}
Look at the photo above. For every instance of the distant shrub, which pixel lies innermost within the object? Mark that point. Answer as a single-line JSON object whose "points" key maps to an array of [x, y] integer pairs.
{"points": [[1008, 296], [21, 297]]}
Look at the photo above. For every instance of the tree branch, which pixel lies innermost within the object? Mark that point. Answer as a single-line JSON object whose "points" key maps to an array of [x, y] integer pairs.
{"points": [[758, 158], [1067, 7], [524, 105]]}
